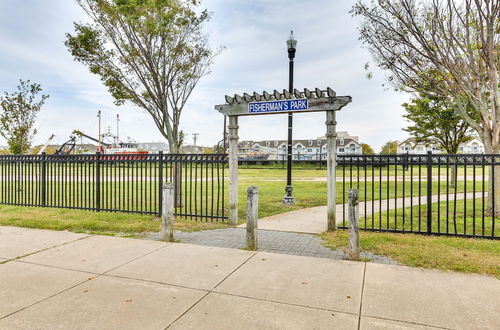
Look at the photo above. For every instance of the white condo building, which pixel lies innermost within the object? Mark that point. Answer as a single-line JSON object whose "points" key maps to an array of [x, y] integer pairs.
{"points": [[474, 146]]}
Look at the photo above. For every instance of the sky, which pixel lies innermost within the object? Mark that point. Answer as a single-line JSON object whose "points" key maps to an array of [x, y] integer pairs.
{"points": [[253, 32]]}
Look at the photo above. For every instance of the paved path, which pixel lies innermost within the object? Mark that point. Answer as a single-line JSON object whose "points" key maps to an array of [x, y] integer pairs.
{"points": [[313, 220], [270, 241], [62, 280]]}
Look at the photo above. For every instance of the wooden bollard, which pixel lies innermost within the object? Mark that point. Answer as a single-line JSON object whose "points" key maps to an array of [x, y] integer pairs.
{"points": [[252, 217], [353, 198], [167, 215]]}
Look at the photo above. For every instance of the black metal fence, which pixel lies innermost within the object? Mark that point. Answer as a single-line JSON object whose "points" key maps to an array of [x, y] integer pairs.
{"points": [[433, 194], [120, 182]]}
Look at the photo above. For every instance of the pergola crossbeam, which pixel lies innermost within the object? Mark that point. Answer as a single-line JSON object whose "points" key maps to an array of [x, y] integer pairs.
{"points": [[318, 100]]}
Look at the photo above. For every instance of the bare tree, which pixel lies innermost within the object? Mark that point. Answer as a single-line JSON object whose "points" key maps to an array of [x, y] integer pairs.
{"points": [[445, 47], [151, 53]]}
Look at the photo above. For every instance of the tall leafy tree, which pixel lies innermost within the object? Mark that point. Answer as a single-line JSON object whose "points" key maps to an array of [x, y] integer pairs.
{"points": [[389, 148], [434, 122], [367, 149], [19, 111], [151, 53], [448, 47]]}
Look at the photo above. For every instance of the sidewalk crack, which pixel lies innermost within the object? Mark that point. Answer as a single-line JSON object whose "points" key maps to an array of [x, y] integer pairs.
{"points": [[362, 296], [48, 248]]}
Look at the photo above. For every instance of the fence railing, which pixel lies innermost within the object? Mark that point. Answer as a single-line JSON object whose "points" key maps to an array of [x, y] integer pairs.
{"points": [[120, 182], [432, 194]]}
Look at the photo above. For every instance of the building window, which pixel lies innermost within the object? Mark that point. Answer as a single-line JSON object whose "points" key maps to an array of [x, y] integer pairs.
{"points": [[341, 149], [309, 150], [420, 148], [268, 143], [318, 142], [275, 143], [309, 143]]}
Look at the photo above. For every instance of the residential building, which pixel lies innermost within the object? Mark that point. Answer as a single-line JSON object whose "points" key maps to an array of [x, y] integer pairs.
{"points": [[310, 149], [153, 147], [191, 149], [474, 146]]}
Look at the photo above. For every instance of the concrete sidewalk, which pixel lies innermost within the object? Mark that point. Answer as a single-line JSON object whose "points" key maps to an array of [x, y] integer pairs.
{"points": [[313, 220], [61, 280]]}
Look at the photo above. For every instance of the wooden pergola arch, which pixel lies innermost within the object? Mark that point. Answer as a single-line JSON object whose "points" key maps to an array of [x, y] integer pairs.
{"points": [[272, 103]]}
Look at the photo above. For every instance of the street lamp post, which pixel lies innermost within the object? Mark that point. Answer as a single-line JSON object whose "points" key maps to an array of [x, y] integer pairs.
{"points": [[288, 199]]}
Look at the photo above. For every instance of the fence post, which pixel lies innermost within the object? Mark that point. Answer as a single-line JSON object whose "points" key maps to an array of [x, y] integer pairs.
{"points": [[98, 182], [160, 182], [167, 215], [252, 217], [44, 180], [429, 192], [353, 198]]}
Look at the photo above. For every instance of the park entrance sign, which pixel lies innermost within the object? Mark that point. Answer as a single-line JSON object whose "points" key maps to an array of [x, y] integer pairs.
{"points": [[272, 103], [278, 106]]}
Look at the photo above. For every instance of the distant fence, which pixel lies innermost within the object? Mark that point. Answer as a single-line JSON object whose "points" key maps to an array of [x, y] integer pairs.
{"points": [[120, 182], [431, 194]]}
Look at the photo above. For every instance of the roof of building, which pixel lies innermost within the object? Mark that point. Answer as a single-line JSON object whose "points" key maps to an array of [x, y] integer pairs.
{"points": [[152, 145]]}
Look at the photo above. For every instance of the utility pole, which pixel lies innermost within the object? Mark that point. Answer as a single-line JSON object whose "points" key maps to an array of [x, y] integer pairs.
{"points": [[99, 135], [117, 142]]}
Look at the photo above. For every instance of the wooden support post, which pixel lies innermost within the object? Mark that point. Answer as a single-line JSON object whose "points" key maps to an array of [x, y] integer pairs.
{"points": [[353, 198], [167, 215], [331, 140], [252, 217], [233, 170]]}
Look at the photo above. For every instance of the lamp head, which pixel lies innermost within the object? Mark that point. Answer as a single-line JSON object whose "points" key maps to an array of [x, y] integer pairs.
{"points": [[291, 44]]}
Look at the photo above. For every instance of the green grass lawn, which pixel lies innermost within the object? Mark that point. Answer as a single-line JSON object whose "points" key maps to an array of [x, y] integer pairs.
{"points": [[133, 195], [467, 255], [104, 223], [270, 172], [310, 194]]}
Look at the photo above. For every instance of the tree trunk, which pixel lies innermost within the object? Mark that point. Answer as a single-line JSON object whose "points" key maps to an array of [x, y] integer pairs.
{"points": [[453, 178], [177, 174]]}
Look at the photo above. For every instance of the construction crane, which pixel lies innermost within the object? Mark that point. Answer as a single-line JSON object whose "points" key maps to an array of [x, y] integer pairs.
{"points": [[67, 147], [80, 133], [42, 149]]}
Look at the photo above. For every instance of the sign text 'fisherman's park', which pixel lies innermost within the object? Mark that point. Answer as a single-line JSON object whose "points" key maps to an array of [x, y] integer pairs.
{"points": [[278, 106]]}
